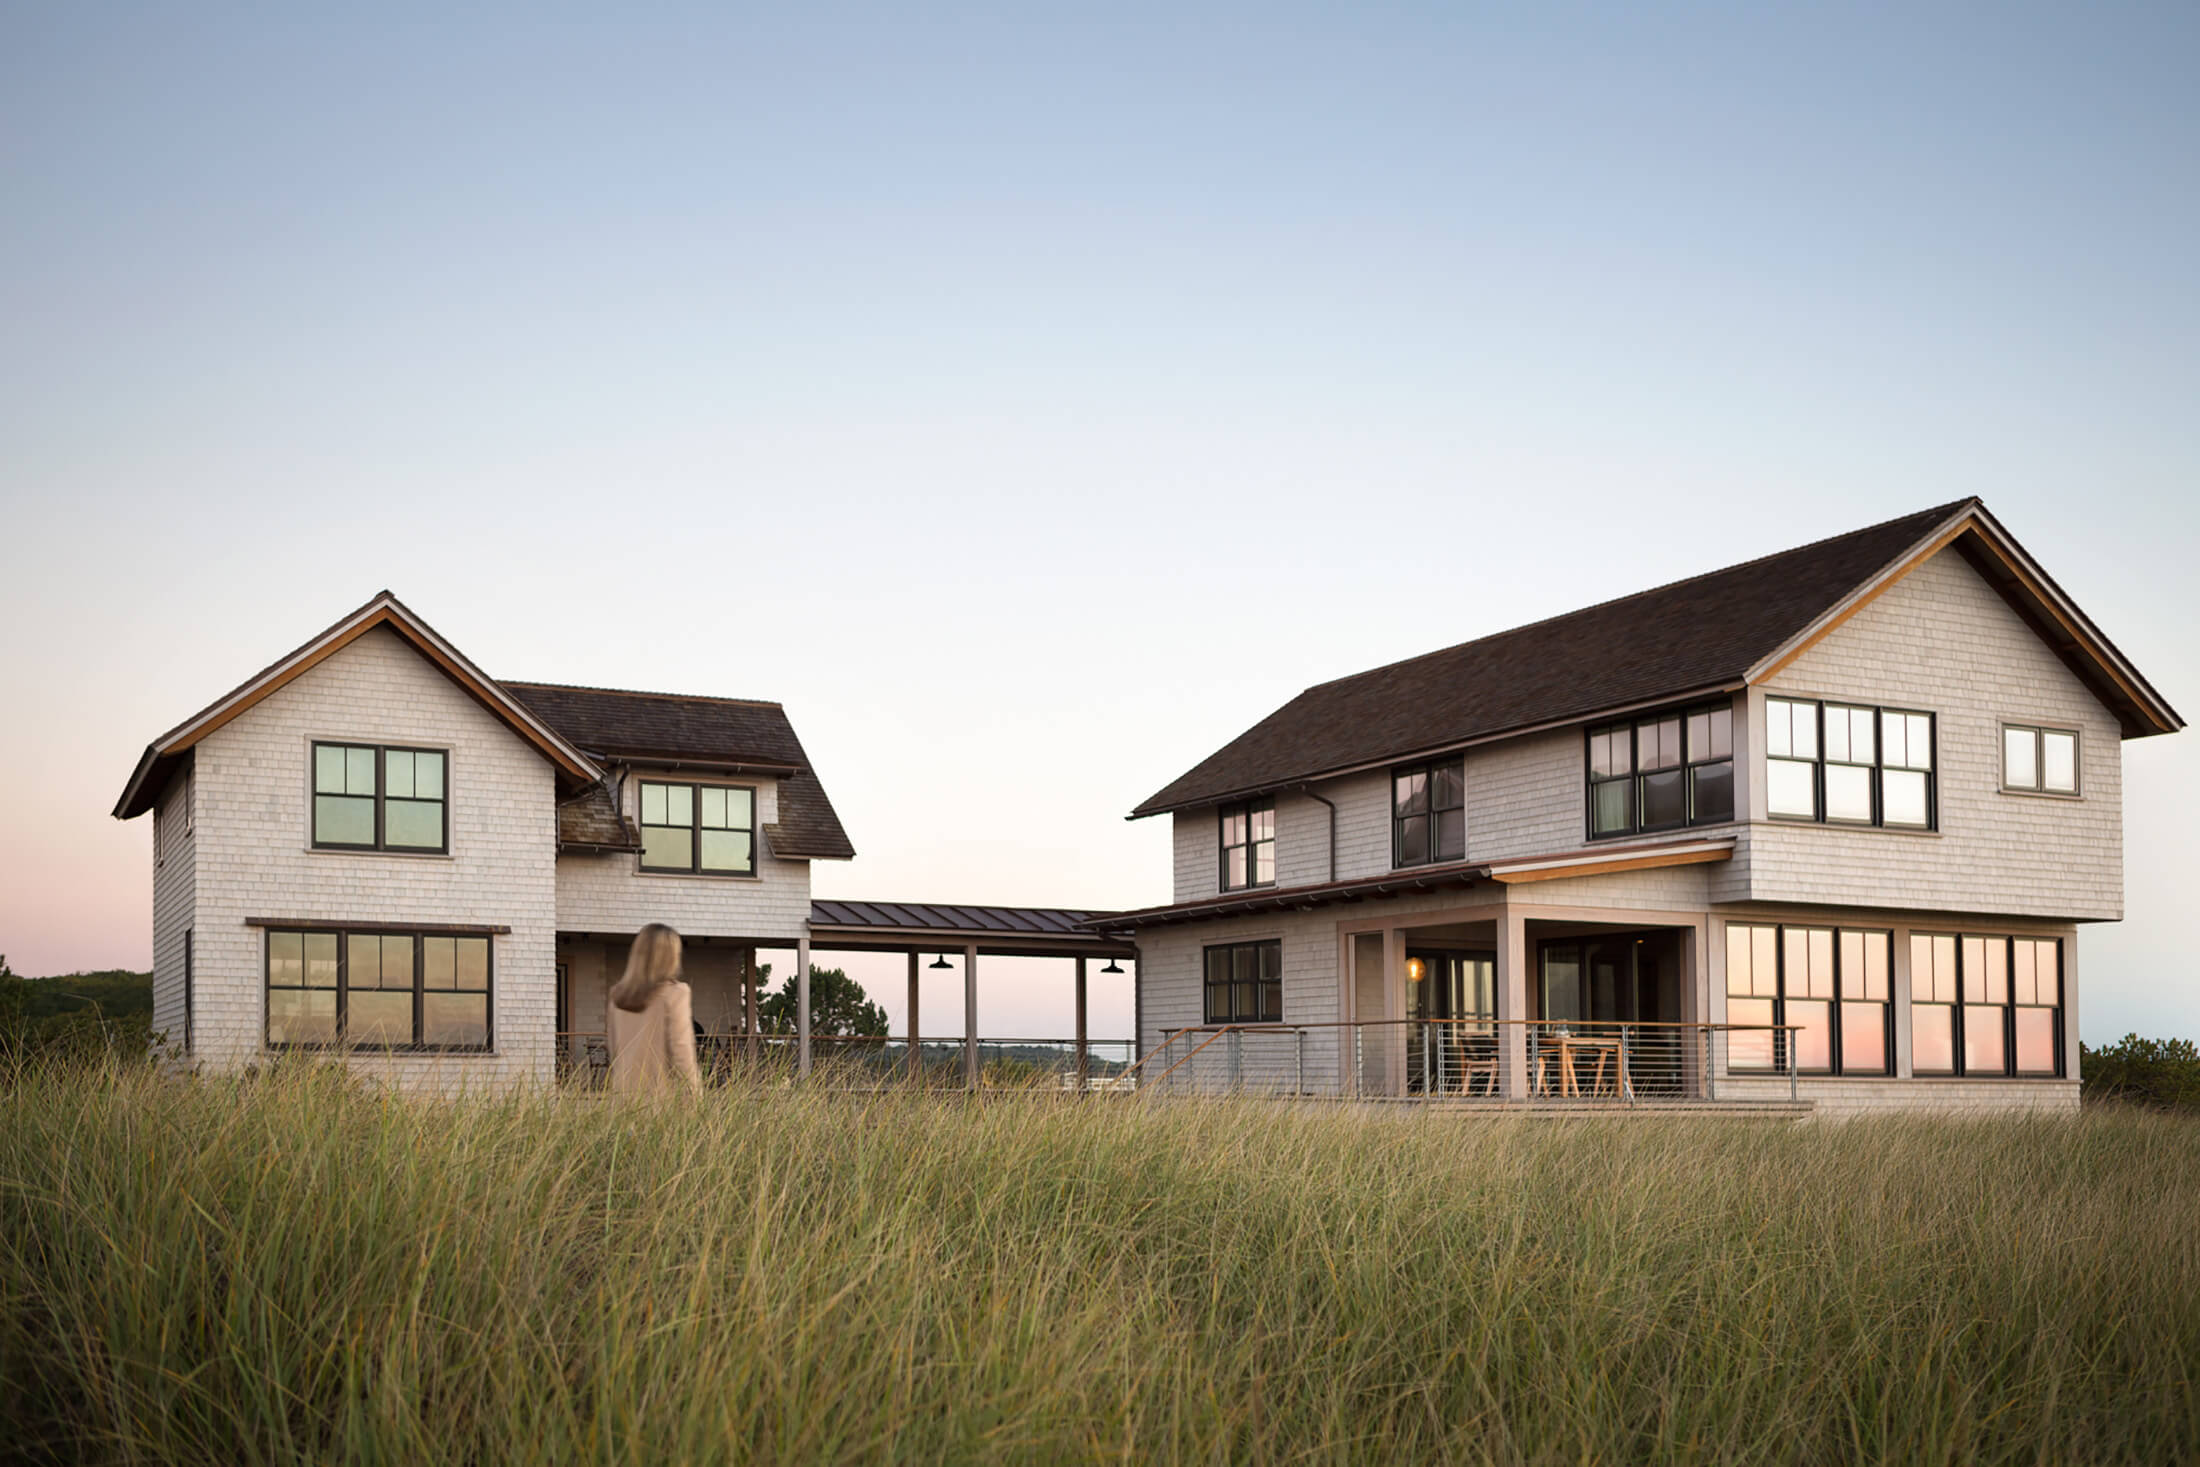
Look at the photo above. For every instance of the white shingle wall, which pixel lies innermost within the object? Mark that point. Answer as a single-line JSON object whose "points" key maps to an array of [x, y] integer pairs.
{"points": [[254, 856], [609, 892], [175, 858], [1196, 839], [1942, 641]]}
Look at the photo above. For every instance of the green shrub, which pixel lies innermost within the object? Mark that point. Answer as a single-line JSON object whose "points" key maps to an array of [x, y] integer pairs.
{"points": [[2157, 1072]]}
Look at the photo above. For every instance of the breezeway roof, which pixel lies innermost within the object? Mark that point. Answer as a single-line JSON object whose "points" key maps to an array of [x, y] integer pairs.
{"points": [[924, 926]]}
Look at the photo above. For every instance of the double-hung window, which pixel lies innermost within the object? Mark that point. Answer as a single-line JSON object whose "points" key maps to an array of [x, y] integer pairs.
{"points": [[701, 829], [373, 797], [377, 990], [1428, 814], [1249, 845], [1662, 772], [1982, 1005], [2039, 760], [1846, 764], [1245, 983], [1830, 984]]}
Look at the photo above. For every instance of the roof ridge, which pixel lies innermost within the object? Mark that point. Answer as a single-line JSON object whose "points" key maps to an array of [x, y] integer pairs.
{"points": [[644, 693], [1937, 512]]}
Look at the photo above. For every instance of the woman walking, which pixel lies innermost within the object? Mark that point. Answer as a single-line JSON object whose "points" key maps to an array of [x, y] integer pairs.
{"points": [[652, 1035]]}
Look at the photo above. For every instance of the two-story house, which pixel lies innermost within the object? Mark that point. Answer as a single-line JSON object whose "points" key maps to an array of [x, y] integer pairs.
{"points": [[1822, 825], [374, 847]]}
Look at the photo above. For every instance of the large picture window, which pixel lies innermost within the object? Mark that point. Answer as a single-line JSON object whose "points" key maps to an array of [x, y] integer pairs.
{"points": [[1982, 1005], [373, 989], [701, 829], [1662, 772], [1245, 983], [1249, 845], [2039, 760], [1846, 764], [1428, 814], [374, 797], [1830, 983]]}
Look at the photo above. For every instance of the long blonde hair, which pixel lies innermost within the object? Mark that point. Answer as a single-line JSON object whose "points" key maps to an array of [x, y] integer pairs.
{"points": [[652, 962]]}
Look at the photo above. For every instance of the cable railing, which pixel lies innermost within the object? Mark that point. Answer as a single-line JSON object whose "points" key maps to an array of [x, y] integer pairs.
{"points": [[867, 1061], [1531, 1061]]}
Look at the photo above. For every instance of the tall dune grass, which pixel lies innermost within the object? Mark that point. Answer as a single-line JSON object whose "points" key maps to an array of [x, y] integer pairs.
{"points": [[301, 1269]]}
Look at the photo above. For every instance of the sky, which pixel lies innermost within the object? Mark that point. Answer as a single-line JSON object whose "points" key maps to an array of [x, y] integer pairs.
{"points": [[1033, 398]]}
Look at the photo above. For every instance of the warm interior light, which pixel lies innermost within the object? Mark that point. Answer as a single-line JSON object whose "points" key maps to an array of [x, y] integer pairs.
{"points": [[1416, 970]]}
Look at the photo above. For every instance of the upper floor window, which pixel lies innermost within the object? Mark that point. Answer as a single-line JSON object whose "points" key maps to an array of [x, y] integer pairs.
{"points": [[1249, 844], [1657, 773], [370, 797], [381, 990], [1848, 765], [1245, 983], [700, 828], [1985, 1005], [1428, 814], [2039, 760]]}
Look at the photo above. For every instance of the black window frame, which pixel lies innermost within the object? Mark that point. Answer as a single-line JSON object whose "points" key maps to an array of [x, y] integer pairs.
{"points": [[343, 934], [1427, 769], [1263, 984], [1250, 845], [1959, 1016], [190, 998], [2039, 786], [1879, 767], [380, 844], [1837, 1061], [695, 827], [1691, 761]]}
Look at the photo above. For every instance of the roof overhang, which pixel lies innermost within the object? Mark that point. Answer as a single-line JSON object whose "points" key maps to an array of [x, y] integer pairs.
{"points": [[2005, 565], [165, 754], [914, 927]]}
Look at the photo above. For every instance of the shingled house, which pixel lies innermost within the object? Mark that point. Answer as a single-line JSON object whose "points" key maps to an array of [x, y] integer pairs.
{"points": [[1823, 826], [374, 845]]}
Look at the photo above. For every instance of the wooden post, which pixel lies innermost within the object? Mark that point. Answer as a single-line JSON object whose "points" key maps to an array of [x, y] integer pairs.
{"points": [[749, 1014], [802, 1005], [916, 1031], [970, 1016], [1084, 1063], [1512, 1001]]}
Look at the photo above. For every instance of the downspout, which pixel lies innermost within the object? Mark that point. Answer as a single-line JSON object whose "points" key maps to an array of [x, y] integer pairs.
{"points": [[1308, 791]]}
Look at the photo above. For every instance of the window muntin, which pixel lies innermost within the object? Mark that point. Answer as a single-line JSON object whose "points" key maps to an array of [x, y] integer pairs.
{"points": [[1830, 982], [2039, 760], [1662, 772], [1244, 983], [373, 989], [1249, 845], [1845, 764], [1428, 814], [376, 797], [700, 829], [1985, 1005]]}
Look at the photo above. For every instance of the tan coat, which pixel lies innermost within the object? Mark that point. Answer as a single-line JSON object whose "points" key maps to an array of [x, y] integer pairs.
{"points": [[653, 1052]]}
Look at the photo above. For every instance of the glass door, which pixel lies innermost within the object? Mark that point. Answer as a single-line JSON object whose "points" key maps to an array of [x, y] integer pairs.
{"points": [[1452, 1043]]}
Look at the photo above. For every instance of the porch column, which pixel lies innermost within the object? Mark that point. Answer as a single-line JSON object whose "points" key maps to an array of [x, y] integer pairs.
{"points": [[916, 1055], [802, 1005], [1084, 1065], [1394, 1033], [970, 1016], [1512, 1001], [748, 990]]}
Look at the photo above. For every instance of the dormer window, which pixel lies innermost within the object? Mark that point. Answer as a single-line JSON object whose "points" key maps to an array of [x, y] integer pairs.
{"points": [[1662, 772], [370, 797], [1428, 814], [698, 829], [1249, 845]]}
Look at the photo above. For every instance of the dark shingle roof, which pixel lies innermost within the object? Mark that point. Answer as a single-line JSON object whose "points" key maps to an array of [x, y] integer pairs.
{"points": [[1687, 637], [592, 822], [621, 724]]}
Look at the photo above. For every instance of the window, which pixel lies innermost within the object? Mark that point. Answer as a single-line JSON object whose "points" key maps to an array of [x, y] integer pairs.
{"points": [[1245, 983], [702, 828], [1249, 845], [1662, 772], [1428, 814], [377, 990], [1831, 983], [1985, 1005], [368, 797], [1848, 765], [2039, 760]]}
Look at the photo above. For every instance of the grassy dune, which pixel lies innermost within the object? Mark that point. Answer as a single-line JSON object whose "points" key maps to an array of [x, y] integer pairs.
{"points": [[298, 1270]]}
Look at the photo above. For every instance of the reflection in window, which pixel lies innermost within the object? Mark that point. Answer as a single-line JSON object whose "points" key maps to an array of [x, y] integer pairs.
{"points": [[1662, 772], [1249, 845], [707, 829], [1244, 983], [1428, 809], [2043, 759], [368, 797], [1932, 1004], [377, 990], [1985, 1005], [1829, 984], [1848, 765]]}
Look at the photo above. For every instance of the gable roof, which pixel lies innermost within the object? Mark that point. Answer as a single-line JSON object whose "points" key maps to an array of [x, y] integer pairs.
{"points": [[728, 735], [165, 754], [1705, 635]]}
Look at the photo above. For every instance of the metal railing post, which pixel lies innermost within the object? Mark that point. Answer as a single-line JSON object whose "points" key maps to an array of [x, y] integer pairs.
{"points": [[1299, 1044], [1237, 1059]]}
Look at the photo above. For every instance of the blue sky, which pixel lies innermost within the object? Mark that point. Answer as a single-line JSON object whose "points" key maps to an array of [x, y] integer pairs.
{"points": [[1033, 398]]}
